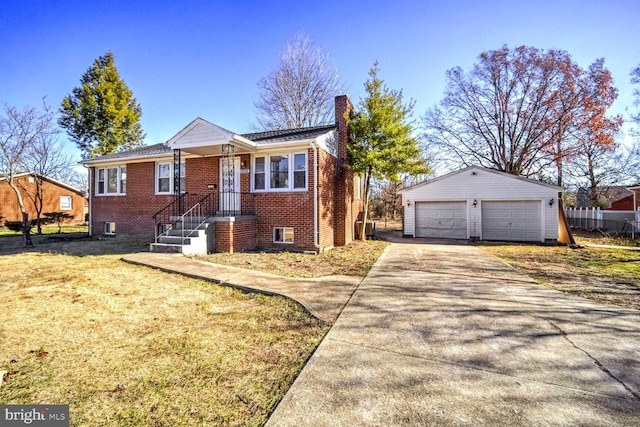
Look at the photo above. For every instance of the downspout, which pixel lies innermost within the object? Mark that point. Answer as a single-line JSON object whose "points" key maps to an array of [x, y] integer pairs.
{"points": [[90, 194], [315, 197]]}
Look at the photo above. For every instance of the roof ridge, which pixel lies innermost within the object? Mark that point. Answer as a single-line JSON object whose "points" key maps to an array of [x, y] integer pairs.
{"points": [[290, 130]]}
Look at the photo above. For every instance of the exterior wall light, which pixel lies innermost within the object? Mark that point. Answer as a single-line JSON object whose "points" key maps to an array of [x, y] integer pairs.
{"points": [[551, 202], [475, 203], [408, 203]]}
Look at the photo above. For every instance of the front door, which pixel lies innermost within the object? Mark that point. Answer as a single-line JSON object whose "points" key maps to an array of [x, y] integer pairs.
{"points": [[230, 189]]}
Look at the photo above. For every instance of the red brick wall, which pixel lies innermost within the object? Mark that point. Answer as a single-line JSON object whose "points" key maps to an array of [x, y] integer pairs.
{"points": [[286, 209], [131, 212], [200, 172], [10, 210], [235, 236], [326, 198]]}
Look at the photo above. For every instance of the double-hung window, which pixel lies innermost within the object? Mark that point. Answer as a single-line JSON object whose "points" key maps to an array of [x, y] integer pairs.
{"points": [[300, 171], [280, 172], [111, 181], [258, 173], [164, 178]]}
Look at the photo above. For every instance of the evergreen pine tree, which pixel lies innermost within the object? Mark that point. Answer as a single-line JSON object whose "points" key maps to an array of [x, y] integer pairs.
{"points": [[101, 115], [382, 146]]}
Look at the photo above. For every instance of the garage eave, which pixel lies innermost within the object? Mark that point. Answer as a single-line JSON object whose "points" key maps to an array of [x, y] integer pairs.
{"points": [[474, 170]]}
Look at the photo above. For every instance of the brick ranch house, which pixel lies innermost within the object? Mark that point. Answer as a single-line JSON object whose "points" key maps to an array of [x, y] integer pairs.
{"points": [[287, 189], [58, 197]]}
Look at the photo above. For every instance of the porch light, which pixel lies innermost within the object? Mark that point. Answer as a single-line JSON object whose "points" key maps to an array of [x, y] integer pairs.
{"points": [[551, 202], [408, 203], [475, 203]]}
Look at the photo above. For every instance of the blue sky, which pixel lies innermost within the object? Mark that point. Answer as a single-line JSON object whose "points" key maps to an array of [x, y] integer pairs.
{"points": [[187, 59]]}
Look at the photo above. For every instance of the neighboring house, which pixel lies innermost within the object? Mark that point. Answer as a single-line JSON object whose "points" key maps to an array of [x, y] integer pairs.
{"points": [[635, 198], [289, 189], [58, 197], [482, 204], [623, 204], [610, 197]]}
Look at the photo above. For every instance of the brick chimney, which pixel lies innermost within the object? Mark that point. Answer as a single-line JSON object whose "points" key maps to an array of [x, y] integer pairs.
{"points": [[343, 106], [346, 206]]}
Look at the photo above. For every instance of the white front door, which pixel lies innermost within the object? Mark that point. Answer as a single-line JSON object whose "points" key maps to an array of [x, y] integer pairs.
{"points": [[230, 191]]}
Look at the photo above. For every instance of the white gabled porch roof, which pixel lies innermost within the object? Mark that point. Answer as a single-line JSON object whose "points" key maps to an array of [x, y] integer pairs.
{"points": [[204, 138]]}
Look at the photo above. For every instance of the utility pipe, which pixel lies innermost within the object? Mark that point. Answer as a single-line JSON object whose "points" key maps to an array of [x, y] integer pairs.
{"points": [[314, 146], [89, 196]]}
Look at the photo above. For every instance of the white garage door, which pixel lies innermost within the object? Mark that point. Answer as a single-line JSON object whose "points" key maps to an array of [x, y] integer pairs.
{"points": [[518, 221], [441, 219]]}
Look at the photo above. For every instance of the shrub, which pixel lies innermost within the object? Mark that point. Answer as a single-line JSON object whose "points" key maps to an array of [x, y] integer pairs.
{"points": [[14, 226]]}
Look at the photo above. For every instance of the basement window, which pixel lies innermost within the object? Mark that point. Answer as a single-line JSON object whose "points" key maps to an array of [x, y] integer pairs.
{"points": [[283, 235], [110, 228]]}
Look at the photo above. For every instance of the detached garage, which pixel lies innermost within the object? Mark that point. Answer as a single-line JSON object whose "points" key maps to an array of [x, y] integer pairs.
{"points": [[479, 203]]}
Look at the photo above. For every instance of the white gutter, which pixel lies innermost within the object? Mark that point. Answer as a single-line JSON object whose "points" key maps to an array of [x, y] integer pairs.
{"points": [[315, 196]]}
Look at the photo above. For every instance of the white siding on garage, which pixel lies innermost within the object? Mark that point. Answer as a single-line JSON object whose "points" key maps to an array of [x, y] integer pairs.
{"points": [[515, 221], [441, 220], [480, 184]]}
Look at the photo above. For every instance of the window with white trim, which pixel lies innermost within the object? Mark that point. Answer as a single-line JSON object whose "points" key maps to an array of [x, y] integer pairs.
{"points": [[110, 228], [164, 178], [66, 203], [258, 174], [283, 235], [280, 172], [111, 181], [300, 170]]}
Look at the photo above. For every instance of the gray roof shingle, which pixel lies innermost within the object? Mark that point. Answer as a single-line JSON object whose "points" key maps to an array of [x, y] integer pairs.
{"points": [[268, 137], [147, 150], [282, 135]]}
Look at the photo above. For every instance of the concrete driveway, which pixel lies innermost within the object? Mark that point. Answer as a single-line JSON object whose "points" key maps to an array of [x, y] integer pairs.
{"points": [[442, 334]]}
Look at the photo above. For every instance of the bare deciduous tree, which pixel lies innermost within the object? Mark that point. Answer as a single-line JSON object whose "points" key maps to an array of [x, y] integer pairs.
{"points": [[635, 79], [521, 110], [19, 132], [300, 92], [44, 158]]}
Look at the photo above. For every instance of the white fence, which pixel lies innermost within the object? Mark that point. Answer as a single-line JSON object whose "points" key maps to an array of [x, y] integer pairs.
{"points": [[615, 222]]}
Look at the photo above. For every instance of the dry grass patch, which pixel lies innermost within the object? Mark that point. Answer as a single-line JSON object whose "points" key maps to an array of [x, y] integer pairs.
{"points": [[584, 237], [606, 275], [355, 259], [128, 345]]}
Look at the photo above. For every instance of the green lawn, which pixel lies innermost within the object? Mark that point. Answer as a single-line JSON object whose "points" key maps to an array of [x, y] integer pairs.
{"points": [[47, 229]]}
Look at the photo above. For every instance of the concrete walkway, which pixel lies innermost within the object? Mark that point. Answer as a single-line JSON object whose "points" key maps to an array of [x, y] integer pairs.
{"points": [[323, 297], [443, 334]]}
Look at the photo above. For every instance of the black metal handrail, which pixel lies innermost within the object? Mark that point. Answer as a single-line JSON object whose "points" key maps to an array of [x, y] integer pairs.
{"points": [[210, 204]]}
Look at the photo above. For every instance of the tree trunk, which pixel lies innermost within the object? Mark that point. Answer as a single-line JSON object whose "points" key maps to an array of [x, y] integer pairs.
{"points": [[26, 230], [593, 184], [559, 162], [26, 224], [363, 226]]}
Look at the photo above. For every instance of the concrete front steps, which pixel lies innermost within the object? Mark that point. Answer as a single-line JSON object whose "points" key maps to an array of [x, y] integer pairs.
{"points": [[187, 241]]}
